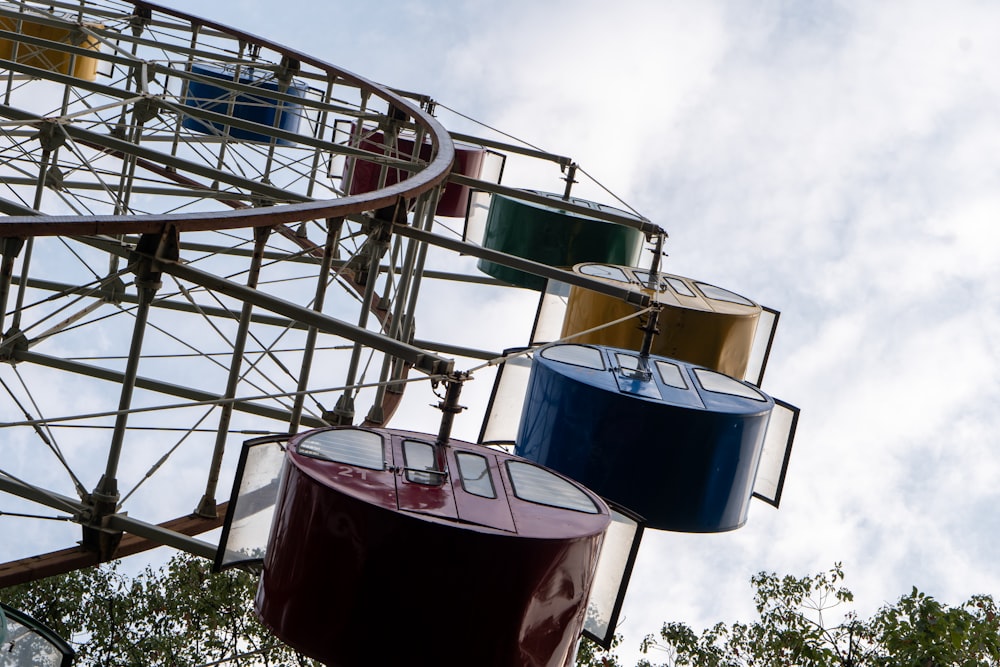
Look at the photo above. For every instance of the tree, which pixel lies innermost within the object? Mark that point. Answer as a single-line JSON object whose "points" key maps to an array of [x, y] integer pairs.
{"points": [[590, 654], [181, 615], [793, 629]]}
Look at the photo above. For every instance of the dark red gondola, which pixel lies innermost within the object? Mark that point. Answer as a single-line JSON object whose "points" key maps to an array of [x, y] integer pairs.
{"points": [[367, 174], [389, 548]]}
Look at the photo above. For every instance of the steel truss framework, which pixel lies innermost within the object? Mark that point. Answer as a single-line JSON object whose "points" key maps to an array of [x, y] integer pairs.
{"points": [[164, 290]]}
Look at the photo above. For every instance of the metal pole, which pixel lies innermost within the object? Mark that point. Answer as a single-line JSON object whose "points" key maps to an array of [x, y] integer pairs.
{"points": [[425, 212], [626, 294], [449, 406], [250, 407], [147, 283], [104, 499], [332, 234], [51, 137], [407, 324], [343, 412], [570, 179], [651, 328], [206, 507], [321, 124], [10, 249]]}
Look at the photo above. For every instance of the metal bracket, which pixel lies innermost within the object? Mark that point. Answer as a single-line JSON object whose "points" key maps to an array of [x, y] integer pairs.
{"points": [[13, 341], [143, 17], [50, 135]]}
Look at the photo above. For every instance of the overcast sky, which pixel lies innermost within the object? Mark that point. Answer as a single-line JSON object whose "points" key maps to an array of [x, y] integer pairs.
{"points": [[837, 161]]}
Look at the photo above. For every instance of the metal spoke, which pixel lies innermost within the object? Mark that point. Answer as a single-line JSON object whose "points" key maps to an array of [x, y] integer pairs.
{"points": [[43, 432]]}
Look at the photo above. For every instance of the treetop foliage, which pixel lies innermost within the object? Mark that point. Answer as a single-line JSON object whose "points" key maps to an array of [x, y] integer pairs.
{"points": [[180, 615], [795, 627]]}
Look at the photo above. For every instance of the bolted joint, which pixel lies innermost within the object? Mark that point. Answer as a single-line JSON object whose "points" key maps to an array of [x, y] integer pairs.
{"points": [[394, 116], [376, 416], [145, 110], [101, 504], [54, 178], [449, 405], [147, 273], [288, 69], [150, 251], [13, 341], [50, 135], [113, 291], [342, 413], [11, 246], [394, 213], [207, 508], [379, 231], [570, 178], [79, 37], [142, 17]]}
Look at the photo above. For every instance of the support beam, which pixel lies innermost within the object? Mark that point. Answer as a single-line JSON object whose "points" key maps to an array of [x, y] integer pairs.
{"points": [[35, 494], [107, 141], [260, 318], [332, 234], [160, 535], [207, 505], [50, 564], [626, 294], [628, 220], [11, 207], [155, 385], [422, 360]]}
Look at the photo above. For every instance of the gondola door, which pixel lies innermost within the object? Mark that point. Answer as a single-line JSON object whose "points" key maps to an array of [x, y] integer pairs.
{"points": [[478, 487], [422, 477]]}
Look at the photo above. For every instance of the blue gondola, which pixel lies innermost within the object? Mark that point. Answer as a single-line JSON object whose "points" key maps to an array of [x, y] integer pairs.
{"points": [[677, 443], [262, 108]]}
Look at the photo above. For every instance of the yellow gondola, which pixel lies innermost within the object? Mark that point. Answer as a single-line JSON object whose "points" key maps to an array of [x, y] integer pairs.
{"points": [[51, 59], [700, 323]]}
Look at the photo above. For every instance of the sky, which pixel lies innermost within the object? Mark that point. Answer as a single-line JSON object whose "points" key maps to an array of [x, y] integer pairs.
{"points": [[837, 161]]}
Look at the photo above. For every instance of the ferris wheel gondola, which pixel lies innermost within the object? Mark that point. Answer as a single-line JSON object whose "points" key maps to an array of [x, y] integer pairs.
{"points": [[352, 524]]}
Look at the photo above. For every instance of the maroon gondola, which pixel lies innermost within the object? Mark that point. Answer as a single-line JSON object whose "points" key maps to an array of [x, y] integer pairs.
{"points": [[369, 175], [387, 547]]}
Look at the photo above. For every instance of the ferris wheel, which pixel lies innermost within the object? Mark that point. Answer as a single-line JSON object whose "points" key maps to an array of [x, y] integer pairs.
{"points": [[210, 237]]}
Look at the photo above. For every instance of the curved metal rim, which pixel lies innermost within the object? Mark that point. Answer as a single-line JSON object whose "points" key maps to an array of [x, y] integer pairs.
{"points": [[432, 175]]}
